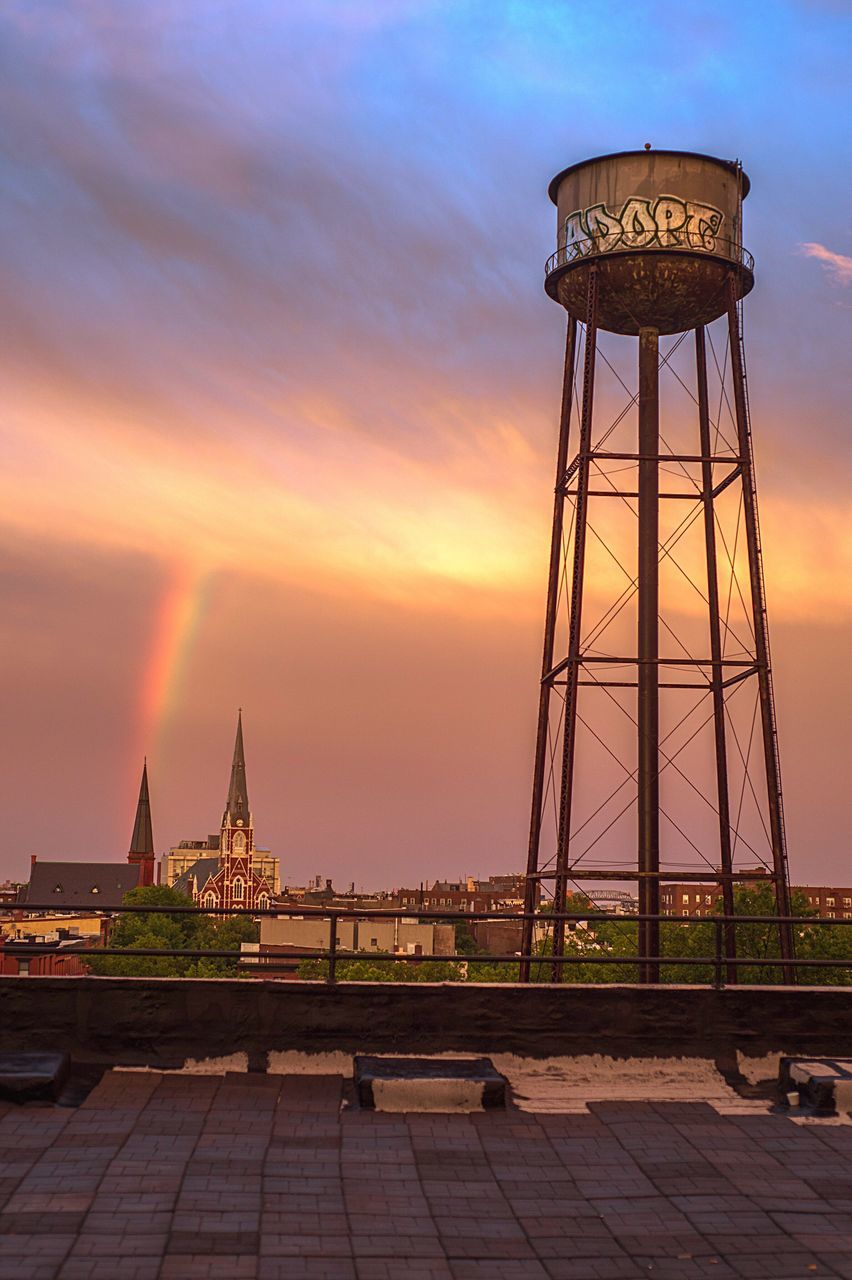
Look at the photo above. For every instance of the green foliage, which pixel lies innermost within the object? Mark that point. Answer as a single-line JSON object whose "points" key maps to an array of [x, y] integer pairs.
{"points": [[619, 936], [192, 931], [612, 937], [498, 971], [371, 970], [812, 942], [465, 941], [591, 946]]}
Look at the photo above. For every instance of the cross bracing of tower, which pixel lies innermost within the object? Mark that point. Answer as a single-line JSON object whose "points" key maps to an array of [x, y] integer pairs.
{"points": [[716, 813]]}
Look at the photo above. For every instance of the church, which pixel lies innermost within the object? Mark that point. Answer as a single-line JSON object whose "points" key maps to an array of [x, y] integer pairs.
{"points": [[227, 870], [236, 874], [88, 884]]}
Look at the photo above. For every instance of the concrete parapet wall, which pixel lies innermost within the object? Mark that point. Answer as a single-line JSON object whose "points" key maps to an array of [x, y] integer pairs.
{"points": [[160, 1022]]}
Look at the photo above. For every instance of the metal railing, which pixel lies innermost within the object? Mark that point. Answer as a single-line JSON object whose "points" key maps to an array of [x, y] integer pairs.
{"points": [[334, 954], [671, 242]]}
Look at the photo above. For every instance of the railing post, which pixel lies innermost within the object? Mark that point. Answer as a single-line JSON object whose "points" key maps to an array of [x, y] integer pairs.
{"points": [[718, 978], [332, 948]]}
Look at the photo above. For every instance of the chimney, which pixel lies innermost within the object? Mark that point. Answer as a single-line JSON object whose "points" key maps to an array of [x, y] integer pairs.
{"points": [[33, 859]]}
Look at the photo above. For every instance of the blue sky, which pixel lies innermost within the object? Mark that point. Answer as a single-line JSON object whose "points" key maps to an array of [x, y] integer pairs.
{"points": [[274, 319]]}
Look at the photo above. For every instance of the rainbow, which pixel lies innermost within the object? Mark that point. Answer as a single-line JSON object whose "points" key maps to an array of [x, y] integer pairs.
{"points": [[183, 605]]}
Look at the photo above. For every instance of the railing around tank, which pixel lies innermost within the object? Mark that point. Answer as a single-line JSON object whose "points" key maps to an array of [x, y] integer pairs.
{"points": [[675, 241], [544, 966]]}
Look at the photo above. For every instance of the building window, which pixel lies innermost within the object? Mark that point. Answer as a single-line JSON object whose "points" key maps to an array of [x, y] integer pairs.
{"points": [[239, 889], [707, 900], [830, 915], [374, 942], [686, 897], [209, 900], [263, 901], [829, 902], [847, 902], [847, 915]]}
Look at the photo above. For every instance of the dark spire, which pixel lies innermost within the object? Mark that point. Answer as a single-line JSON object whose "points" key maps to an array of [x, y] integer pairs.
{"points": [[237, 806], [142, 840]]}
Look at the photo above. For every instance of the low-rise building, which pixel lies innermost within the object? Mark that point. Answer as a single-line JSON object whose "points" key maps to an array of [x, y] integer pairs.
{"points": [[58, 962], [61, 927], [499, 893], [395, 937], [835, 904], [184, 856], [688, 899], [281, 936], [701, 899]]}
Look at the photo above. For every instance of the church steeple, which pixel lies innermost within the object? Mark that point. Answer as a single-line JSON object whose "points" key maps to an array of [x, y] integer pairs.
{"points": [[142, 841], [237, 813]]}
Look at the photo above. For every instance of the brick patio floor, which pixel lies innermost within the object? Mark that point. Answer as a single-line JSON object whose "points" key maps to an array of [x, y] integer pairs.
{"points": [[253, 1177]]}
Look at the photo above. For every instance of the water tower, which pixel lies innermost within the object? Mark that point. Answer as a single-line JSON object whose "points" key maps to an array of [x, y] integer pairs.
{"points": [[649, 243]]}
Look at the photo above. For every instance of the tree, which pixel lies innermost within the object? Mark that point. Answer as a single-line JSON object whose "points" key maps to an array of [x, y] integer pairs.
{"points": [[590, 949], [590, 944], [697, 939], [762, 941], [189, 930], [465, 941], [368, 969]]}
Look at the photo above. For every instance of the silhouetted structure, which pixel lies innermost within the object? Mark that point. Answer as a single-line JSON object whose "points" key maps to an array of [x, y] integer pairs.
{"points": [[230, 878], [141, 852], [87, 884], [650, 243]]}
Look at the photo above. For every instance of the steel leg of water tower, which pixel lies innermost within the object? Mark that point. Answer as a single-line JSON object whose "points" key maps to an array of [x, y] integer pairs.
{"points": [[715, 652], [648, 704], [761, 638], [572, 673], [541, 742]]}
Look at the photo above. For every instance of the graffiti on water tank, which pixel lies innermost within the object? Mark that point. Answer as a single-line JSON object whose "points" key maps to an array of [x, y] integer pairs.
{"points": [[667, 222]]}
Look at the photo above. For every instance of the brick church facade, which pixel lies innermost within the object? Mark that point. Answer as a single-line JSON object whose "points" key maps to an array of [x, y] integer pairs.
{"points": [[229, 880]]}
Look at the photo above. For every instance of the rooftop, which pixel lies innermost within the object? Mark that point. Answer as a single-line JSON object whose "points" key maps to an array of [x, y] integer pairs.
{"points": [[271, 1176], [75, 884]]}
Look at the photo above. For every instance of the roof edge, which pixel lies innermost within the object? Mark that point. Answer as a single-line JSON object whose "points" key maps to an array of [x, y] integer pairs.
{"points": [[732, 165]]}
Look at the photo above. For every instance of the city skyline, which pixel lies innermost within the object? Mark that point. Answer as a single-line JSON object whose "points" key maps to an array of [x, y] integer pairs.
{"points": [[281, 403]]}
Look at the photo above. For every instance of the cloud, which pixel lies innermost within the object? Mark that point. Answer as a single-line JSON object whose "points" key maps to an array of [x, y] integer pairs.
{"points": [[273, 314], [837, 263]]}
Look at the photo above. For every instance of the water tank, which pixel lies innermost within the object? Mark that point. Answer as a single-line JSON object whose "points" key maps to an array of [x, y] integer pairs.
{"points": [[664, 229]]}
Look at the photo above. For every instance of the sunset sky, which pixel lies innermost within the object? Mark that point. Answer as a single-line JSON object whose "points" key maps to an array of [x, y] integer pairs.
{"points": [[280, 395]]}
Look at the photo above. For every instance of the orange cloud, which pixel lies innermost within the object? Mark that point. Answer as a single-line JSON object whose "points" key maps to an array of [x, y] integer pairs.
{"points": [[837, 263]]}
